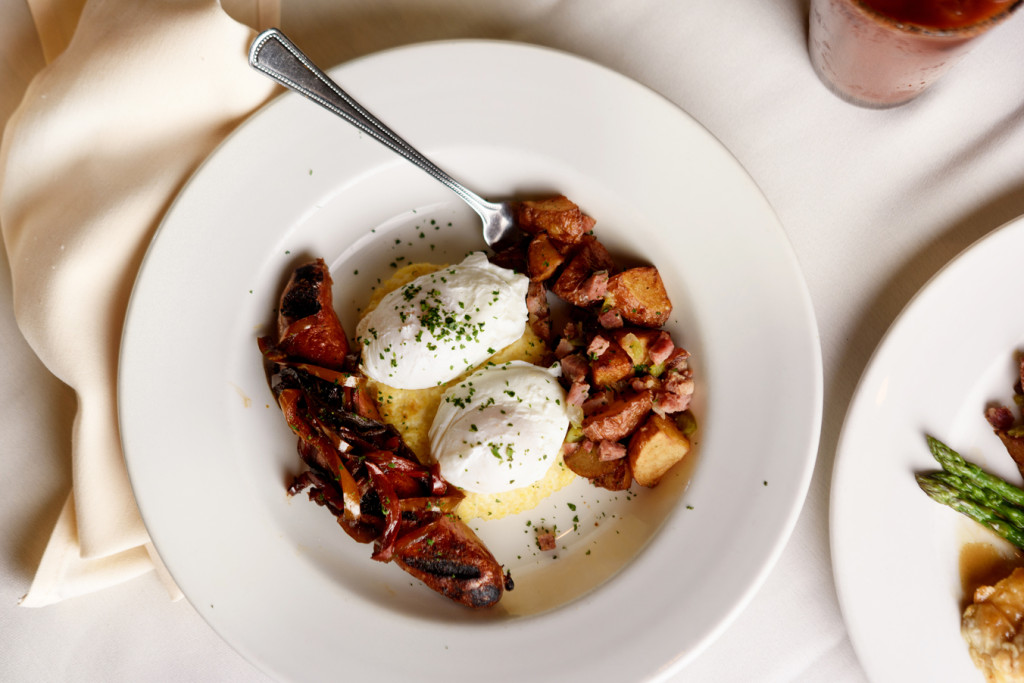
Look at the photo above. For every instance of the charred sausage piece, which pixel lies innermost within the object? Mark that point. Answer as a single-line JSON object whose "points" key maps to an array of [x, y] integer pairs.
{"points": [[619, 418], [447, 556], [307, 327]]}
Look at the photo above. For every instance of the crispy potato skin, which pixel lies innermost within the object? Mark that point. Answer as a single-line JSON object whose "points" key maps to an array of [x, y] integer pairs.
{"points": [[558, 216], [589, 258], [619, 418], [542, 258], [640, 296], [611, 366], [654, 448], [614, 475]]}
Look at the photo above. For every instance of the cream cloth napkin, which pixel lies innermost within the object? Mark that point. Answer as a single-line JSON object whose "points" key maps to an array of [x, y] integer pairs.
{"points": [[134, 96]]}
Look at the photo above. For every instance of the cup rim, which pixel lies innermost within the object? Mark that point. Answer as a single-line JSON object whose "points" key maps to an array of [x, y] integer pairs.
{"points": [[917, 29]]}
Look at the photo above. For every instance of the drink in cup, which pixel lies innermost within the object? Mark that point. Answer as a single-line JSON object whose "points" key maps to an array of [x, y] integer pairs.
{"points": [[881, 53]]}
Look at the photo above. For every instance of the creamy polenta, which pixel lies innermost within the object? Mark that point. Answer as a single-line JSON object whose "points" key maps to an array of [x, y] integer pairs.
{"points": [[412, 411]]}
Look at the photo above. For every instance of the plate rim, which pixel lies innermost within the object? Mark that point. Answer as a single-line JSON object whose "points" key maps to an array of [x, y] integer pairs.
{"points": [[812, 438], [844, 461]]}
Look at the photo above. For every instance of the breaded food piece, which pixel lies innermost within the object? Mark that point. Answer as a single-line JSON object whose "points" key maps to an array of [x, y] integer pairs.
{"points": [[992, 628]]}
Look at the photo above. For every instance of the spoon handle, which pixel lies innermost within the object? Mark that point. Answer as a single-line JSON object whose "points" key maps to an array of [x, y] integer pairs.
{"points": [[276, 56]]}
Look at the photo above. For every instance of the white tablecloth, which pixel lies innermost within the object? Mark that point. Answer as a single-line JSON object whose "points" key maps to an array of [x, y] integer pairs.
{"points": [[874, 202]]}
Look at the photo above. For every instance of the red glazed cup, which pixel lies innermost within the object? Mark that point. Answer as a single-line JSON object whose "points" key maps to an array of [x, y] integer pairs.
{"points": [[875, 60]]}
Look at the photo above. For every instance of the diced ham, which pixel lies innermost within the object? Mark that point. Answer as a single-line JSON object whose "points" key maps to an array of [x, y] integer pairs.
{"points": [[575, 367], [577, 393], [661, 349], [677, 391], [545, 540], [597, 401], [598, 345], [645, 382], [610, 450], [678, 360], [666, 403], [564, 348], [610, 319], [678, 383], [594, 287], [538, 309]]}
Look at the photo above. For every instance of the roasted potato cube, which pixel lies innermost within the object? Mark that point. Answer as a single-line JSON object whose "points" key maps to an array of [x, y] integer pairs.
{"points": [[640, 297], [654, 448], [614, 475], [619, 418], [611, 366], [542, 258], [586, 462], [636, 342], [618, 479], [558, 216], [590, 257]]}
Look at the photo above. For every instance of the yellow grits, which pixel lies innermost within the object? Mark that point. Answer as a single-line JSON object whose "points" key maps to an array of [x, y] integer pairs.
{"points": [[412, 411]]}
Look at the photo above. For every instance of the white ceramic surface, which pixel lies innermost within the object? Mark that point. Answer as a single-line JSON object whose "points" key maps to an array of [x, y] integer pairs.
{"points": [[895, 552], [641, 582]]}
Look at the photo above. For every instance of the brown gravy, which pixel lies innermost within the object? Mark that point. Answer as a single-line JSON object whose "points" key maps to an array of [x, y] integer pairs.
{"points": [[984, 564]]}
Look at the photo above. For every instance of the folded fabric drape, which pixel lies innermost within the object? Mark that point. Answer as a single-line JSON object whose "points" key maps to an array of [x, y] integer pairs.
{"points": [[133, 97]]}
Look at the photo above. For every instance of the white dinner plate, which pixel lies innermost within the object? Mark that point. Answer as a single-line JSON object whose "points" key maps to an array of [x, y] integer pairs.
{"points": [[640, 582], [895, 552]]}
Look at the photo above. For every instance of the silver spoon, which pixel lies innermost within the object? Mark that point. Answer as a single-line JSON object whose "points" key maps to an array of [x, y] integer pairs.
{"points": [[276, 56]]}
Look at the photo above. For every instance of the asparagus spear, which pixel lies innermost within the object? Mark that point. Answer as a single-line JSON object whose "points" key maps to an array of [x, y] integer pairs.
{"points": [[969, 491], [983, 514], [953, 463]]}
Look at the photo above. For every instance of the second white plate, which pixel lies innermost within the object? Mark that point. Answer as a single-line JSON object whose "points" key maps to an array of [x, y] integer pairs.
{"points": [[895, 552]]}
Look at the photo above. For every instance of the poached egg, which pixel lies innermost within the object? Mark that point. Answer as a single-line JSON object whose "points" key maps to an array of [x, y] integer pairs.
{"points": [[433, 329], [501, 428]]}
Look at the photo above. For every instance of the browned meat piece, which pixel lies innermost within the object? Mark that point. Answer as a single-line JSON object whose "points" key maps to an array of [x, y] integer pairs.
{"points": [[577, 393], [546, 540], [1014, 443], [610, 319], [999, 417], [675, 394], [594, 287], [307, 328], [662, 348], [574, 367], [640, 297], [359, 467], [598, 345], [619, 418], [558, 217], [538, 310], [564, 348], [610, 450], [597, 401], [447, 556]]}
